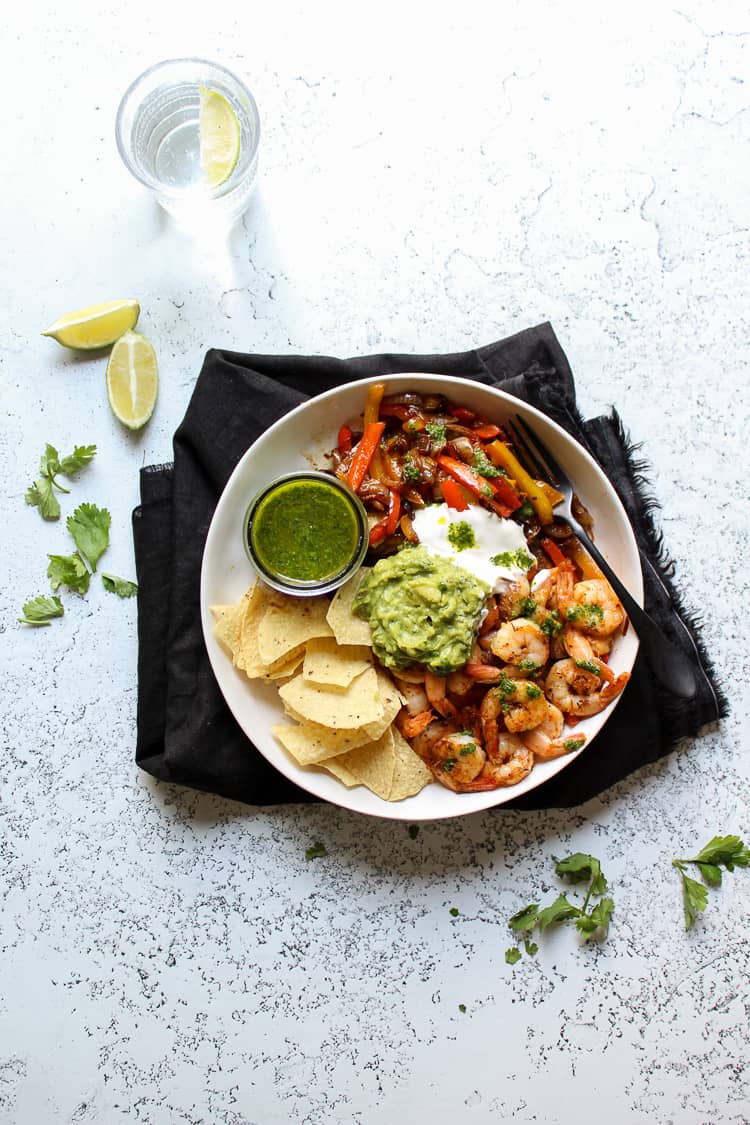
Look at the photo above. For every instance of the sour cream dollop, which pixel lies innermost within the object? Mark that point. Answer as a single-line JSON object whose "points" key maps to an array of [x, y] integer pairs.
{"points": [[497, 550]]}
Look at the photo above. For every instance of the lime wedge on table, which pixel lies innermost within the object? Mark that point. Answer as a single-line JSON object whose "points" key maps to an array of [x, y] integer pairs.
{"points": [[96, 326], [219, 137], [132, 380]]}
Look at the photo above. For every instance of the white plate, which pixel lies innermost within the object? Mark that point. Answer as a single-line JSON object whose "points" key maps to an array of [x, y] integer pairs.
{"points": [[300, 439]]}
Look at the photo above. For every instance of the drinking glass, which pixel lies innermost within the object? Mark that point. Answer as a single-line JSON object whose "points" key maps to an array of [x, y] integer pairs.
{"points": [[157, 131]]}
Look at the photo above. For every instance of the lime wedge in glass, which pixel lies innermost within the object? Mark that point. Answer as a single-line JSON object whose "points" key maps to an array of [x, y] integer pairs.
{"points": [[219, 137]]}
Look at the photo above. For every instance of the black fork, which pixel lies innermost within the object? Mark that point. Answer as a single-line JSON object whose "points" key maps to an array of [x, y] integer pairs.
{"points": [[669, 663]]}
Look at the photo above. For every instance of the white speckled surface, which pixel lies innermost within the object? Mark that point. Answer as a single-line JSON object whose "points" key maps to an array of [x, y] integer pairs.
{"points": [[431, 179]]}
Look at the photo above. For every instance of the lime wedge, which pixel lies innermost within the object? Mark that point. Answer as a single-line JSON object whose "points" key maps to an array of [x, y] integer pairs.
{"points": [[132, 380], [97, 326], [219, 137]]}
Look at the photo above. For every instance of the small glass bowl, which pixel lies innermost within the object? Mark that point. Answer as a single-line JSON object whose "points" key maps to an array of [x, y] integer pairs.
{"points": [[312, 532]]}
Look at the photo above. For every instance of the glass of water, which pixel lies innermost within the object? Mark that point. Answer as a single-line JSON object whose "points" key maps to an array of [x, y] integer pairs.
{"points": [[158, 136]]}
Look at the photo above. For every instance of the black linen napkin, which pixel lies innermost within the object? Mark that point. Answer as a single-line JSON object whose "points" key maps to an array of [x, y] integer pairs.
{"points": [[186, 733]]}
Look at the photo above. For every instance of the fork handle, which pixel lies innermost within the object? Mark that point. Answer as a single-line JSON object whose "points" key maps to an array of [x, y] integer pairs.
{"points": [[670, 665]]}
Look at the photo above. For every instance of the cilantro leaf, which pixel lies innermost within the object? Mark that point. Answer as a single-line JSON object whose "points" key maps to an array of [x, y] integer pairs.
{"points": [[40, 495], [81, 456], [89, 527], [721, 851], [512, 955], [724, 850], [694, 898], [121, 586], [39, 611], [316, 851], [597, 920], [531, 947], [70, 571], [558, 911], [523, 921], [454, 912]]}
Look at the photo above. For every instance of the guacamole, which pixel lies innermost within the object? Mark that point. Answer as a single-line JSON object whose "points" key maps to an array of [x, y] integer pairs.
{"points": [[422, 610]]}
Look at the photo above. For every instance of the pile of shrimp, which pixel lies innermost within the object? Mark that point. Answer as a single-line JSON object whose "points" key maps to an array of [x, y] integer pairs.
{"points": [[539, 665]]}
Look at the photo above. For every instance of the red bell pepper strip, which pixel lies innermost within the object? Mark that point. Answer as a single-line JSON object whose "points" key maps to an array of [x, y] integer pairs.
{"points": [[453, 495], [555, 554], [505, 493], [363, 454], [385, 527], [490, 491], [487, 431], [345, 439], [394, 512], [463, 414]]}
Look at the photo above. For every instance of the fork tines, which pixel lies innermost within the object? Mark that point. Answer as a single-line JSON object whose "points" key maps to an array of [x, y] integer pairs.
{"points": [[539, 461]]}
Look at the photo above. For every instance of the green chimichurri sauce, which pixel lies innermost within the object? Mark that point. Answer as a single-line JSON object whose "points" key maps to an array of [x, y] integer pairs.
{"points": [[305, 530]]}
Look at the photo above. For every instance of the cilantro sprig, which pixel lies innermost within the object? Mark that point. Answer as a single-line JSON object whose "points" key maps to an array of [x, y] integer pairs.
{"points": [[41, 494], [722, 851], [40, 611], [591, 918]]}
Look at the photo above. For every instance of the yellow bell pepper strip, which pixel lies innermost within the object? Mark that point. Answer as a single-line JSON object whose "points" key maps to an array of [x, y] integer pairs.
{"points": [[363, 454], [371, 414], [582, 559], [503, 457]]}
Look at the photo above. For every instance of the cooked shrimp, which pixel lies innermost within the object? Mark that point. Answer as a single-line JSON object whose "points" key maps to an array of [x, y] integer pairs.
{"points": [[510, 595], [436, 687], [546, 740], [520, 702], [456, 760], [594, 607], [585, 650], [580, 692], [414, 694], [516, 765], [521, 642]]}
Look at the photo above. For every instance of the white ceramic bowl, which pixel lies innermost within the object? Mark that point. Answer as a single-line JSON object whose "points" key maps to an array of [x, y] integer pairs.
{"points": [[298, 441]]}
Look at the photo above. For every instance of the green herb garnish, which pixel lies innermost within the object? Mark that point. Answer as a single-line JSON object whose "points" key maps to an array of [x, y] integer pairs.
{"points": [[41, 610], [411, 472], [461, 535], [41, 494], [70, 571], [513, 955], [454, 912], [593, 922], [316, 851], [722, 851], [123, 587], [588, 666], [438, 437], [483, 465], [520, 559], [89, 527]]}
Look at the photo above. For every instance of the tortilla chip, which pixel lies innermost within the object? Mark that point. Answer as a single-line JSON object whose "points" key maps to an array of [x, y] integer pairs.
{"points": [[285, 626], [332, 665], [373, 765], [227, 625], [391, 702], [348, 629], [351, 709], [256, 601], [410, 774], [288, 666], [335, 767], [311, 743]]}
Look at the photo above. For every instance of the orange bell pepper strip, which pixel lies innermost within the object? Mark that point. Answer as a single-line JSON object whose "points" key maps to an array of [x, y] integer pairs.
{"points": [[504, 458], [453, 495], [371, 414], [363, 454]]}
